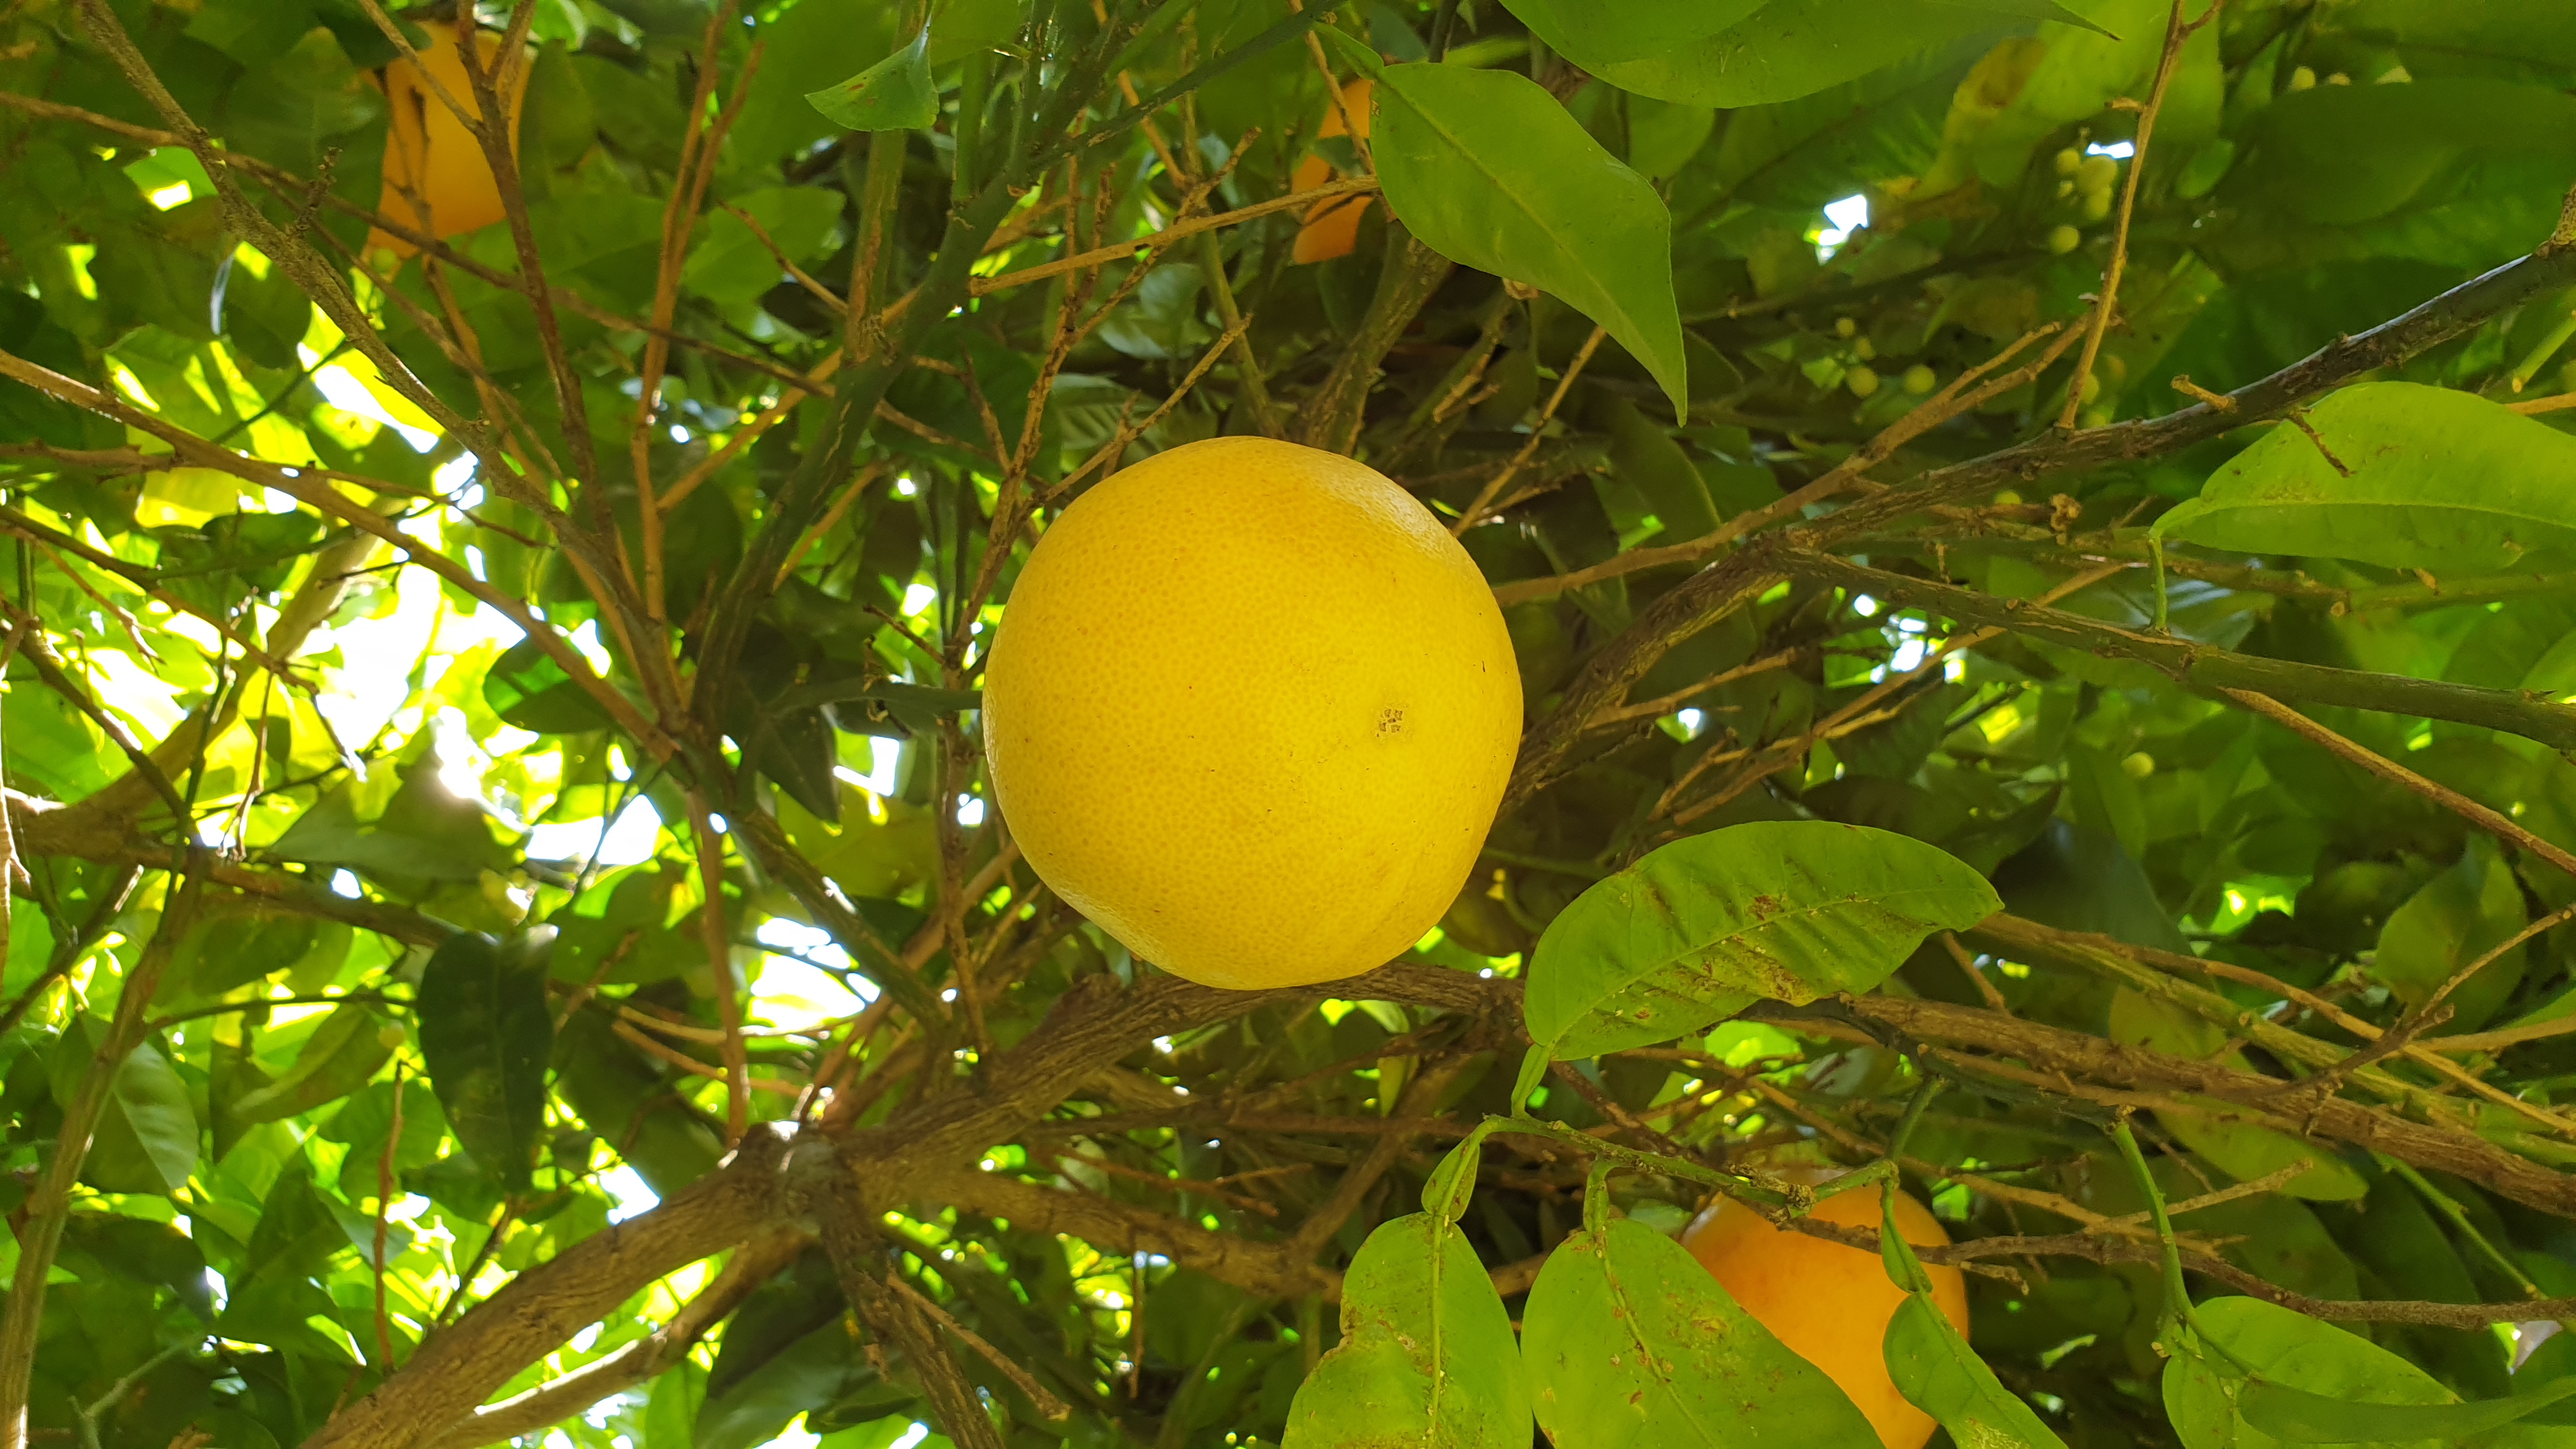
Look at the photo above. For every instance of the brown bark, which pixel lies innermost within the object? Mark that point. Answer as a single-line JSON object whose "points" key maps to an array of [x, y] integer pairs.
{"points": [[457, 1369]]}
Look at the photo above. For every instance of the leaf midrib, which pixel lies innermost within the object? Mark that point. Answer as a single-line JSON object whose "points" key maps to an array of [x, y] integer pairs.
{"points": [[1513, 196]]}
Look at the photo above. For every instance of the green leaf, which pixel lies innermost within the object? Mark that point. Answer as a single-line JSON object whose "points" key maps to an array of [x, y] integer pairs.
{"points": [[146, 1139], [1937, 1372], [1595, 35], [1629, 1341], [1488, 170], [1426, 1359], [1730, 54], [530, 691], [486, 1031], [2202, 1393], [337, 1059], [235, 948], [265, 317], [1452, 1185], [1697, 930], [2440, 480], [2295, 1416], [2454, 920], [1645, 455], [895, 94], [290, 110], [729, 264]]}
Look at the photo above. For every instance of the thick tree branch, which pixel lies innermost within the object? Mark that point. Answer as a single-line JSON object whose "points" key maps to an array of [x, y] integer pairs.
{"points": [[556, 1400], [1412, 272], [894, 1320], [456, 1369], [49, 1205]]}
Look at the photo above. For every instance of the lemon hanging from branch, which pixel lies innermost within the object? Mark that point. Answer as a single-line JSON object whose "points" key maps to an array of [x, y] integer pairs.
{"points": [[1251, 709]]}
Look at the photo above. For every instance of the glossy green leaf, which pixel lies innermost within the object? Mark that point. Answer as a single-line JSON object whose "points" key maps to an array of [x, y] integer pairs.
{"points": [[2440, 480], [1937, 1372], [1730, 53], [2296, 1416], [2291, 1350], [1427, 1359], [1488, 170], [1936, 1369], [895, 94], [486, 1031], [1602, 35], [1628, 1341], [1790, 910]]}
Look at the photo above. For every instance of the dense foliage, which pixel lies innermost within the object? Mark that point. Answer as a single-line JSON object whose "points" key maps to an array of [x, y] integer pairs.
{"points": [[505, 936]]}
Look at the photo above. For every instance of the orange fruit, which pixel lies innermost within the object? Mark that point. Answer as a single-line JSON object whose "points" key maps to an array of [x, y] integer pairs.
{"points": [[429, 151], [1250, 708], [1332, 227], [1830, 1303]]}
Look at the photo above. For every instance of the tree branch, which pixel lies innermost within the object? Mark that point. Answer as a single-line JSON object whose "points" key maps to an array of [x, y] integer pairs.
{"points": [[2058, 1057], [456, 1369], [2203, 666], [50, 1204], [1412, 272], [556, 1400]]}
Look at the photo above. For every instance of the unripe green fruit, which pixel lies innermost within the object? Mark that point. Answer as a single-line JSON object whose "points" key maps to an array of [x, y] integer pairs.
{"points": [[2303, 79], [2138, 766], [2064, 239], [2006, 498], [1845, 327], [2092, 389], [1864, 349], [390, 1036], [1861, 380], [2097, 205], [1920, 379], [2098, 173], [2069, 161]]}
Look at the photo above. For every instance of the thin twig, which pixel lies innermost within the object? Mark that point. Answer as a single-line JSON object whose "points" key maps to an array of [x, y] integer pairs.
{"points": [[2492, 821], [2177, 30], [1177, 231], [1963, 395], [711, 928], [1054, 1409], [1475, 511], [384, 1205]]}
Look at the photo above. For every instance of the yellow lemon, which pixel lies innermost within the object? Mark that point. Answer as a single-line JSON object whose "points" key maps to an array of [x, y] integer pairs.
{"points": [[1831, 1303], [1251, 709], [430, 153]]}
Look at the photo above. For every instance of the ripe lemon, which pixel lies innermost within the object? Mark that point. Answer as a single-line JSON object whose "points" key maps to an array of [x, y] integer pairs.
{"points": [[428, 151], [1250, 709], [1331, 228], [1830, 1303]]}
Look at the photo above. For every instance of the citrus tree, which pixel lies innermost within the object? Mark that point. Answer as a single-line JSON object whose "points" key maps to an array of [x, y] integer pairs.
{"points": [[2035, 537]]}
